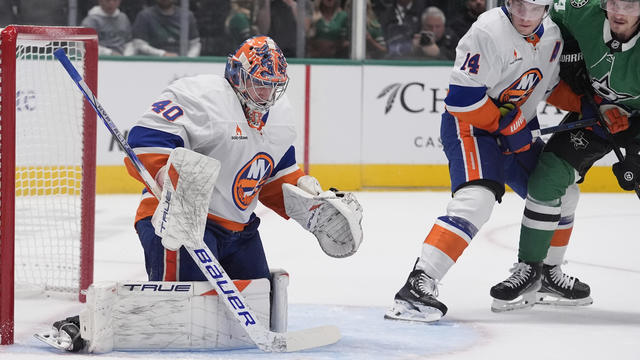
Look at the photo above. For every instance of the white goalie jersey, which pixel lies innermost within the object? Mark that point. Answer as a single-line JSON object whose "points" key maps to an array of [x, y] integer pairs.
{"points": [[203, 114]]}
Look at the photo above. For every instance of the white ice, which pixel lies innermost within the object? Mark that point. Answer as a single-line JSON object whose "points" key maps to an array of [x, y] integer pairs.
{"points": [[353, 293]]}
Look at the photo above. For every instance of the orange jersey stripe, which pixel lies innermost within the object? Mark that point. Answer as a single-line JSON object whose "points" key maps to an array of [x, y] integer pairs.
{"points": [[227, 224], [564, 98], [561, 237], [152, 162], [485, 117], [271, 193], [146, 208], [447, 241], [470, 152]]}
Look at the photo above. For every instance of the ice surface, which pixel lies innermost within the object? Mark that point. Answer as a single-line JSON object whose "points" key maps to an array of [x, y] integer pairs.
{"points": [[353, 293]]}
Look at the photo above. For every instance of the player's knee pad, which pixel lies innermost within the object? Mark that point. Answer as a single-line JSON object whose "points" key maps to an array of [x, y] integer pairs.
{"points": [[473, 203], [570, 200], [551, 178]]}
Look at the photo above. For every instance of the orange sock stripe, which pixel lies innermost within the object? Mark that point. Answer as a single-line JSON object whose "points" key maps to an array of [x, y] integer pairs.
{"points": [[447, 241], [561, 237]]}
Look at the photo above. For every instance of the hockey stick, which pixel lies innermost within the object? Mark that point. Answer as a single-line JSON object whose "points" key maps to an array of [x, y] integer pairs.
{"points": [[564, 127], [610, 138], [233, 299]]}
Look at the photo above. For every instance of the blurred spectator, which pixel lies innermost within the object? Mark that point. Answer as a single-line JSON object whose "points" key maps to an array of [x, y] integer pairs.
{"points": [[462, 21], [113, 27], [210, 17], [38, 12], [400, 23], [133, 7], [8, 10], [376, 47], [156, 31], [328, 35], [244, 20], [435, 41], [282, 16]]}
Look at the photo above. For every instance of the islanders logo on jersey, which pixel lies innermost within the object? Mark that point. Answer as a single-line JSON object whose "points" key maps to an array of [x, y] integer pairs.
{"points": [[520, 90], [250, 179]]}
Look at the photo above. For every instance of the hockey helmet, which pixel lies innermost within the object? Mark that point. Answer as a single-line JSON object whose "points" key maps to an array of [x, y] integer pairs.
{"points": [[257, 71], [622, 7], [529, 9]]}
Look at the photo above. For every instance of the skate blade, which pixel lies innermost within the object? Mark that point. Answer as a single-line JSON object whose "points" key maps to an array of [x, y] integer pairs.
{"points": [[52, 338], [544, 298], [402, 310], [524, 301]]}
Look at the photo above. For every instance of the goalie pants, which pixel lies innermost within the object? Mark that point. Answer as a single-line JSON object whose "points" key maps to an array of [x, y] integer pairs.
{"points": [[239, 252]]}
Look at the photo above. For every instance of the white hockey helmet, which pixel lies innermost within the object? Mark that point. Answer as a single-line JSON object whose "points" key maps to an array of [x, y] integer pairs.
{"points": [[529, 9], [622, 7]]}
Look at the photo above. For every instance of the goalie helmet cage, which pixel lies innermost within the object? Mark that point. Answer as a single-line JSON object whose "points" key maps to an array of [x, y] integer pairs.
{"points": [[47, 164]]}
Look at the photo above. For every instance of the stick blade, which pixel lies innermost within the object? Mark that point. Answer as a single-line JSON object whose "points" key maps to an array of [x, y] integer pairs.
{"points": [[312, 338]]}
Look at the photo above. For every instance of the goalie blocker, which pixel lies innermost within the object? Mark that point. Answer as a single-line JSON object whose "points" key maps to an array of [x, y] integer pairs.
{"points": [[159, 315]]}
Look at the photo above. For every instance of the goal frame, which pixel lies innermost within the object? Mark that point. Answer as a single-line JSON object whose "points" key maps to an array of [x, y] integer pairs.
{"points": [[8, 39]]}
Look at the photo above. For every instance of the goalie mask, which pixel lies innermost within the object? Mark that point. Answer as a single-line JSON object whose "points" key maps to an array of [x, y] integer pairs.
{"points": [[257, 71]]}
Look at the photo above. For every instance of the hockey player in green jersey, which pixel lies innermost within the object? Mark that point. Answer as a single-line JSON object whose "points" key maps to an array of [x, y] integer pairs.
{"points": [[603, 36]]}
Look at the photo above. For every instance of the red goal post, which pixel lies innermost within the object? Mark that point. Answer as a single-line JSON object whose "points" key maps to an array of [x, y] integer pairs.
{"points": [[47, 165]]}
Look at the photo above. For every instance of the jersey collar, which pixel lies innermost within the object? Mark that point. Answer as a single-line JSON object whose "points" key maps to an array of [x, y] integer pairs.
{"points": [[613, 44]]}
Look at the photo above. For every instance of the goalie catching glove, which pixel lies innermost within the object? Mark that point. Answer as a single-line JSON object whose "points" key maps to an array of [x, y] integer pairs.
{"points": [[333, 217]]}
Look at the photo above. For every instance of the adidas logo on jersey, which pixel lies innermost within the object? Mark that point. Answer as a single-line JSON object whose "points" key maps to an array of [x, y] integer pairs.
{"points": [[238, 135]]}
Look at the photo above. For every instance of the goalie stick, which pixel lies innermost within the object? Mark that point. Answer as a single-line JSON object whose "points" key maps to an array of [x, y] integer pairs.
{"points": [[234, 300]]}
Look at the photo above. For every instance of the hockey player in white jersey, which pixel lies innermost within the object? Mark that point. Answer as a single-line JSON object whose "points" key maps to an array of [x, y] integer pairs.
{"points": [[505, 65], [244, 121]]}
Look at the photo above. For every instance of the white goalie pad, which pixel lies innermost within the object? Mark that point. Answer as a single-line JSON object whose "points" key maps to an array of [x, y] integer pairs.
{"points": [[175, 315], [334, 218], [181, 215]]}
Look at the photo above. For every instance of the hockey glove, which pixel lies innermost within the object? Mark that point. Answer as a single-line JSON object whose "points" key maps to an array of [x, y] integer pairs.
{"points": [[513, 134], [617, 118], [627, 171], [333, 217]]}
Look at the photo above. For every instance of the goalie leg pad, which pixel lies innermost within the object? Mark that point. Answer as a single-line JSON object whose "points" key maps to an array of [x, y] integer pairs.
{"points": [[167, 316], [181, 215], [334, 219]]}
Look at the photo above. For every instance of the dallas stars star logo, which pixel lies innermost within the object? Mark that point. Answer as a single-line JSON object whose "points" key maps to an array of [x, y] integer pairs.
{"points": [[603, 88]]}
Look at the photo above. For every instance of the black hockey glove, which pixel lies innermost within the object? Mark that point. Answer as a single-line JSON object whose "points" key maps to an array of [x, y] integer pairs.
{"points": [[573, 69], [628, 171]]}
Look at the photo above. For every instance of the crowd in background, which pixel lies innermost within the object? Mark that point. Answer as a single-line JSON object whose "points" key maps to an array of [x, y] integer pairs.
{"points": [[395, 29]]}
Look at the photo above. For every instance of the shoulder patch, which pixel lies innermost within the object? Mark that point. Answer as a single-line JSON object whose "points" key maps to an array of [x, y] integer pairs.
{"points": [[579, 3]]}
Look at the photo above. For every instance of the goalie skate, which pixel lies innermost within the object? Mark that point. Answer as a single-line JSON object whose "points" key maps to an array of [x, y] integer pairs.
{"points": [[518, 291], [416, 301], [64, 335], [560, 289]]}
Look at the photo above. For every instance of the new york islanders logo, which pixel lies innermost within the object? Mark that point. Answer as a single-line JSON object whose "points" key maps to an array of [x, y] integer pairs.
{"points": [[250, 179], [520, 90]]}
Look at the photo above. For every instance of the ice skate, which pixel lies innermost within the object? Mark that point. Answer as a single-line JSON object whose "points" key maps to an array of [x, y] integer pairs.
{"points": [[64, 335], [561, 289], [416, 301], [519, 290]]}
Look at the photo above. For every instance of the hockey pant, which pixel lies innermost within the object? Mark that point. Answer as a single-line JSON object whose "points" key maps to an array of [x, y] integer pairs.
{"points": [[239, 252]]}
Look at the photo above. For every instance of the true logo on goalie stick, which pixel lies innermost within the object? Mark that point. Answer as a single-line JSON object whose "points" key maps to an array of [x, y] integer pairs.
{"points": [[159, 287]]}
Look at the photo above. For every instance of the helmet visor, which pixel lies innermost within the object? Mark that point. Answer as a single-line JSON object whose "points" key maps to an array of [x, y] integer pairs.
{"points": [[621, 7], [526, 10]]}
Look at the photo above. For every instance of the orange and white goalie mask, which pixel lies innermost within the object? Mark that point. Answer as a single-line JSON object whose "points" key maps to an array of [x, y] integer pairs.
{"points": [[257, 71]]}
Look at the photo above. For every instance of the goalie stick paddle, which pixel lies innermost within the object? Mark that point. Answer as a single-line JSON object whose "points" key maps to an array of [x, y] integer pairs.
{"points": [[233, 299]]}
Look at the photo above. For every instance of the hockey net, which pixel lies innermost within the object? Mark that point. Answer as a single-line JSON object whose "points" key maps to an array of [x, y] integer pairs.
{"points": [[47, 165]]}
